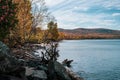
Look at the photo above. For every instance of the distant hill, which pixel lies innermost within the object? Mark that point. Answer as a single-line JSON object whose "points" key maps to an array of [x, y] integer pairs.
{"points": [[90, 33]]}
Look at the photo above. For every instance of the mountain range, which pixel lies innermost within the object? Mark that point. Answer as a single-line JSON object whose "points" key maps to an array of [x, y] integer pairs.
{"points": [[90, 33]]}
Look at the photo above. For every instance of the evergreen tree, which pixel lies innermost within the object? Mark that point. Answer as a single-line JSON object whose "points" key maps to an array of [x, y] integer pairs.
{"points": [[7, 17]]}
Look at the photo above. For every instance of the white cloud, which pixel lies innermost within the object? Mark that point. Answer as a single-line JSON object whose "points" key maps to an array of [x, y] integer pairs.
{"points": [[68, 17], [116, 14], [74, 20], [81, 8], [51, 3], [111, 4]]}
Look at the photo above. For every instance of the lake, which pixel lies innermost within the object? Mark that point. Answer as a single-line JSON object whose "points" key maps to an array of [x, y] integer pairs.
{"points": [[93, 59]]}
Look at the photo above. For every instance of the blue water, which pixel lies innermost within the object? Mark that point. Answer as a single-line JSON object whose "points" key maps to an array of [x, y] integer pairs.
{"points": [[93, 59]]}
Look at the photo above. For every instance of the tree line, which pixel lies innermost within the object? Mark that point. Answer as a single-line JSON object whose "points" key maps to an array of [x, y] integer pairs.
{"points": [[75, 36], [22, 21]]}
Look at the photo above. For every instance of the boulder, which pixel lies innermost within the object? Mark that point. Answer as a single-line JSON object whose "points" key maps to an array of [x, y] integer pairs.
{"points": [[33, 63], [39, 74], [33, 74], [51, 70], [4, 50], [73, 75], [5, 58], [61, 71], [18, 72], [10, 65], [29, 71], [42, 67]]}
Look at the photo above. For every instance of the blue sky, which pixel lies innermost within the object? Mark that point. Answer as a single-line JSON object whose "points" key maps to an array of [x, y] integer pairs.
{"points": [[72, 14]]}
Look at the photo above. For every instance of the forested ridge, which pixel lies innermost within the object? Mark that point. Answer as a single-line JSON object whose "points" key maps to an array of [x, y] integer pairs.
{"points": [[83, 33]]}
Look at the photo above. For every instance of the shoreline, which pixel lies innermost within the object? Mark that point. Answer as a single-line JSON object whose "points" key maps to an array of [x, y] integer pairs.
{"points": [[94, 39], [31, 63]]}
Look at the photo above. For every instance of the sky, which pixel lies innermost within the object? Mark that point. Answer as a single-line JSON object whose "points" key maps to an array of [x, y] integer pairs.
{"points": [[72, 14]]}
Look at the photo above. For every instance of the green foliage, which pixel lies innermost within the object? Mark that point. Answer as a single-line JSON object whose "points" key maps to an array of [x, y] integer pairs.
{"points": [[53, 31], [7, 17]]}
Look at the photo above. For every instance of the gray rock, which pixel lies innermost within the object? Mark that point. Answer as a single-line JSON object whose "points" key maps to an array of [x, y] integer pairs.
{"points": [[61, 71], [35, 74], [9, 64], [73, 75], [39, 74], [51, 70], [5, 61], [29, 71], [5, 53], [41, 67], [33, 63], [3, 49]]}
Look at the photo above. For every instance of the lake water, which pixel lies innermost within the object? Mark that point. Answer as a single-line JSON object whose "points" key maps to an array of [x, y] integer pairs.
{"points": [[93, 59]]}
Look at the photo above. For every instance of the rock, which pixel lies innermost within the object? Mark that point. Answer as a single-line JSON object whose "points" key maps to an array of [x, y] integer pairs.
{"points": [[39, 74], [73, 75], [33, 63], [9, 64], [4, 50], [6, 60], [51, 70], [33, 74], [61, 71], [41, 67], [18, 72], [57, 70], [29, 71]]}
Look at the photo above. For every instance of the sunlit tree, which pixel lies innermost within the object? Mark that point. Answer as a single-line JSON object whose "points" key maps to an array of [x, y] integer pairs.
{"points": [[21, 32]]}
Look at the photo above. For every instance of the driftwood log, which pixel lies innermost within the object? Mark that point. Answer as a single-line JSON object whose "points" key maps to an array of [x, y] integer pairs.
{"points": [[67, 62]]}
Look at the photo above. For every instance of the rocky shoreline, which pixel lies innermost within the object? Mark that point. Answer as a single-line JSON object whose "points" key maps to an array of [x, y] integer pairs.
{"points": [[20, 63]]}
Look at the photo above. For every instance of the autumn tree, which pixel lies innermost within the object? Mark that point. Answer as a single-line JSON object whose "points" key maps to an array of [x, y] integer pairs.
{"points": [[61, 35], [7, 17], [31, 14], [41, 17], [21, 32], [37, 36]]}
